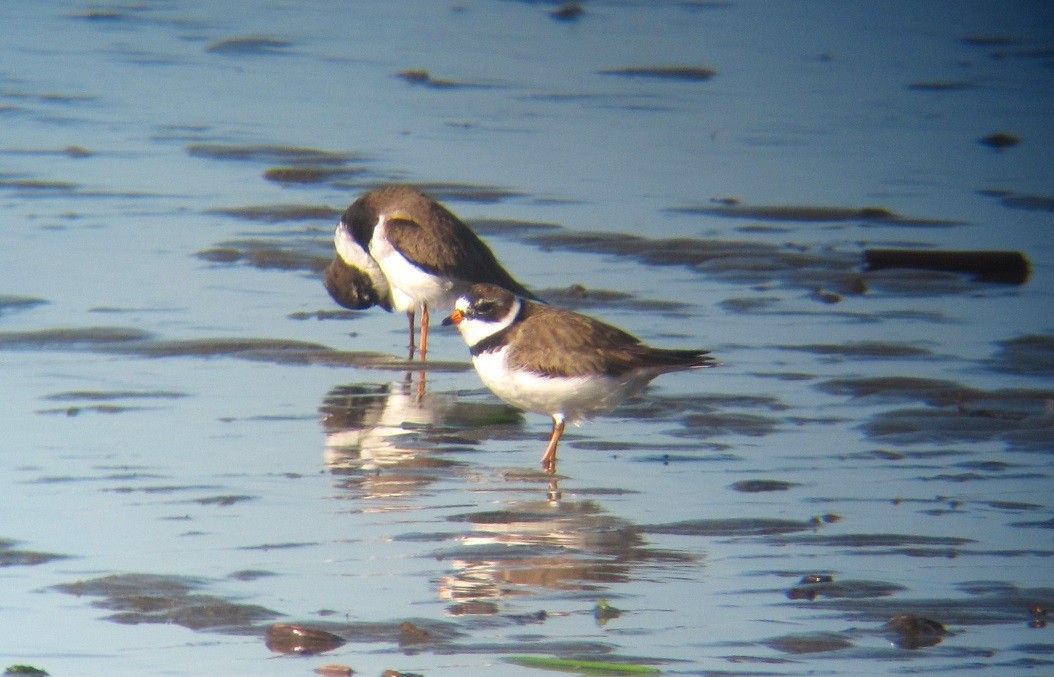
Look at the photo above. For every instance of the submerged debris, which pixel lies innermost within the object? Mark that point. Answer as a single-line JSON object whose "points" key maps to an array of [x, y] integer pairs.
{"points": [[301, 640], [909, 631]]}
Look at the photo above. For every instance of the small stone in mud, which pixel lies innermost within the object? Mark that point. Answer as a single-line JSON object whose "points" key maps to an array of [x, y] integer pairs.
{"points": [[1000, 140], [915, 632], [824, 296], [411, 634], [288, 638]]}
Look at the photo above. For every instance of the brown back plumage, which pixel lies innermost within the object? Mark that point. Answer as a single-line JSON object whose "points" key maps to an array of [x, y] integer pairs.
{"points": [[429, 235], [564, 343]]}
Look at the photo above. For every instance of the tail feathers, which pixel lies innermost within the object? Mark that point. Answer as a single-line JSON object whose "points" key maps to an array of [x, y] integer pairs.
{"points": [[665, 358]]}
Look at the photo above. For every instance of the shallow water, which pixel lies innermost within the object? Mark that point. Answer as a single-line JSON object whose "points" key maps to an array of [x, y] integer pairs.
{"points": [[208, 467]]}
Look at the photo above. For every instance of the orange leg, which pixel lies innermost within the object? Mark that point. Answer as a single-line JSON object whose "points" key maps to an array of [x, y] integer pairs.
{"points": [[424, 330], [549, 459]]}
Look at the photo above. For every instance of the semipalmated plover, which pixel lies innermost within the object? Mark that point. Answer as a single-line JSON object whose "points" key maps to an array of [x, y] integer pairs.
{"points": [[557, 362], [414, 253]]}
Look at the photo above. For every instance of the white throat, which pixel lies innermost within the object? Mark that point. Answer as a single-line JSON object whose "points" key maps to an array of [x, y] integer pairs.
{"points": [[475, 330]]}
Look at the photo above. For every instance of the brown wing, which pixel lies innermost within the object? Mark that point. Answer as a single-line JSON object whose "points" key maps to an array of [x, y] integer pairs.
{"points": [[564, 343], [437, 241]]}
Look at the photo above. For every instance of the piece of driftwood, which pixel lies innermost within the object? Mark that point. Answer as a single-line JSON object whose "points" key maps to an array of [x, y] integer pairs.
{"points": [[1007, 267]]}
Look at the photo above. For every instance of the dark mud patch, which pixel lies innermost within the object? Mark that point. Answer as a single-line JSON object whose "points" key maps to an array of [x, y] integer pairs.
{"points": [[268, 255], [955, 413], [935, 426], [10, 556], [578, 296], [904, 544], [1000, 140], [223, 501], [150, 598], [449, 192], [1004, 267], [676, 73], [280, 213], [509, 227], [941, 86], [343, 315], [825, 587], [935, 392], [82, 337], [73, 152], [812, 214], [1031, 355], [423, 78], [1032, 203], [117, 340], [981, 603], [810, 643], [271, 154], [731, 527], [108, 395], [862, 350], [306, 175], [12, 303], [762, 486], [250, 45], [754, 263], [92, 408], [26, 186], [729, 423]]}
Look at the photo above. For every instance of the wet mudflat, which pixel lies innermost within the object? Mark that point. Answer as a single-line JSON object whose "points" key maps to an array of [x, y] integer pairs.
{"points": [[208, 467]]}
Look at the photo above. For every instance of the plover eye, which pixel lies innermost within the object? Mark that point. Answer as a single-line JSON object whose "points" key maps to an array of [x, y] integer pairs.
{"points": [[484, 307]]}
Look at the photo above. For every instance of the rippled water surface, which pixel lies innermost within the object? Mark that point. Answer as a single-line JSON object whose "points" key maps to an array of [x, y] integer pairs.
{"points": [[208, 467]]}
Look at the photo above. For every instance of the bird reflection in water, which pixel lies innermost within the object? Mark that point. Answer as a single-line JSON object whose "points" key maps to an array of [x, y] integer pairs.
{"points": [[543, 546], [391, 440]]}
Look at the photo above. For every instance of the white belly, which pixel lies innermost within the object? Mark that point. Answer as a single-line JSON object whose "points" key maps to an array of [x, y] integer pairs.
{"points": [[576, 398], [411, 286]]}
